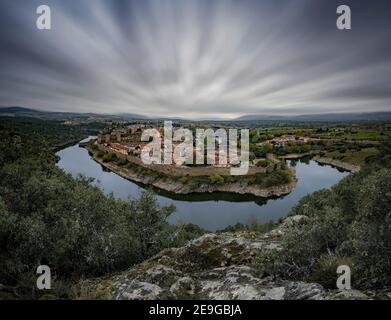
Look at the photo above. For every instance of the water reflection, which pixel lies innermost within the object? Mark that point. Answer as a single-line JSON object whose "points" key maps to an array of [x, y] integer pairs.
{"points": [[210, 211]]}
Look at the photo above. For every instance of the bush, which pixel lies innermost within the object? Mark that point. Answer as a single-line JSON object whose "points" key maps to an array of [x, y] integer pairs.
{"points": [[123, 162], [80, 232], [179, 234], [47, 217], [100, 154], [183, 180], [325, 270], [266, 263], [306, 242], [277, 177], [349, 224], [109, 157], [216, 179], [93, 146], [371, 232], [252, 226], [262, 163]]}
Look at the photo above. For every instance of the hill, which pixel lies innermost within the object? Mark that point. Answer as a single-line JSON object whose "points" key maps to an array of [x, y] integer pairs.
{"points": [[325, 117]]}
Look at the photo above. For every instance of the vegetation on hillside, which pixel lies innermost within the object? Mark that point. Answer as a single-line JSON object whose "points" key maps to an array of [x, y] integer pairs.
{"points": [[349, 224], [47, 217]]}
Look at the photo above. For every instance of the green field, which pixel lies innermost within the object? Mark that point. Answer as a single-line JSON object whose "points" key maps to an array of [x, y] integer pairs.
{"points": [[353, 157]]}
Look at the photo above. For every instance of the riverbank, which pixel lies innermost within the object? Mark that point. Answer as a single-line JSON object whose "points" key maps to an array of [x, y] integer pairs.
{"points": [[338, 164], [67, 144], [324, 160], [211, 211], [185, 186], [294, 156]]}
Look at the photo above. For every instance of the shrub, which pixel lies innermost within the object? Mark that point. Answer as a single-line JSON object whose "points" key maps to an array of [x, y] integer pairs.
{"points": [[252, 226], [325, 270], [183, 180], [216, 179], [349, 224], [371, 232], [303, 245], [277, 177], [123, 162], [266, 263], [48, 217], [109, 157], [93, 146], [262, 163], [80, 233], [179, 234], [100, 154]]}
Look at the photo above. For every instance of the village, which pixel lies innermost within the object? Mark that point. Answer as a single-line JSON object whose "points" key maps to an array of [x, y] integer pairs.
{"points": [[127, 141]]}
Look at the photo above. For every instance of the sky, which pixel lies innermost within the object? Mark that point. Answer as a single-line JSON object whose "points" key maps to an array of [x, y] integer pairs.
{"points": [[196, 58]]}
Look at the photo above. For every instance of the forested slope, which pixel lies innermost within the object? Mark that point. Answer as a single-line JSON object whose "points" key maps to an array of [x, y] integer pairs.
{"points": [[47, 217]]}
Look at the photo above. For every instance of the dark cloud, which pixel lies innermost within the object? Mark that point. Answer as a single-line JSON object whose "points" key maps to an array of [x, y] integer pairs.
{"points": [[197, 57]]}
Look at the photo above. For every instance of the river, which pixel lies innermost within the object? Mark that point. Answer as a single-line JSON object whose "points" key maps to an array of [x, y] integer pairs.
{"points": [[210, 211]]}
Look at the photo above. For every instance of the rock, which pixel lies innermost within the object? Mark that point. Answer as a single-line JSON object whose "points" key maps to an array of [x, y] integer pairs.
{"points": [[244, 292], [277, 293], [136, 290], [338, 164], [348, 295], [214, 266], [183, 288], [287, 224], [304, 291], [160, 275]]}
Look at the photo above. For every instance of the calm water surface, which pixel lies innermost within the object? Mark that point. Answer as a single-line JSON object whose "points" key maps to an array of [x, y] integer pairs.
{"points": [[210, 211]]}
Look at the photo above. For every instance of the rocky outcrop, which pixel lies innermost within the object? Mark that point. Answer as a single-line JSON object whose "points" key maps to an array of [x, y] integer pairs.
{"points": [[214, 266]]}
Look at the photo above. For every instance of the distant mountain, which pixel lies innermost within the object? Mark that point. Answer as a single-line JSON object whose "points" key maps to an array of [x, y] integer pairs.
{"points": [[17, 110], [61, 116], [133, 116], [252, 117], [325, 117]]}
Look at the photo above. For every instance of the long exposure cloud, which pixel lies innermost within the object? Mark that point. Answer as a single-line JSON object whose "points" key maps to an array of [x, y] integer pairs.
{"points": [[196, 58]]}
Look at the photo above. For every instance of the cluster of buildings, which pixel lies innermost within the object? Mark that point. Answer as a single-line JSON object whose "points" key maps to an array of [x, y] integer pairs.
{"points": [[288, 139], [126, 141]]}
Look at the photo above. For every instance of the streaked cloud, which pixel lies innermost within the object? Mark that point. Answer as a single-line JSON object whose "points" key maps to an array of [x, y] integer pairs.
{"points": [[196, 58]]}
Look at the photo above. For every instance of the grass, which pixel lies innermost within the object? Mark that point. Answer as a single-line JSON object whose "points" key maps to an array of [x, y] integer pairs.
{"points": [[359, 135], [353, 157]]}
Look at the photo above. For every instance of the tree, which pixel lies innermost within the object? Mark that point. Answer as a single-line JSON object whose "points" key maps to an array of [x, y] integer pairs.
{"points": [[216, 179], [268, 147], [371, 232]]}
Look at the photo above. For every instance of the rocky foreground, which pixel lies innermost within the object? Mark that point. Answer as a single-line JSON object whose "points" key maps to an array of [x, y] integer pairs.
{"points": [[214, 266]]}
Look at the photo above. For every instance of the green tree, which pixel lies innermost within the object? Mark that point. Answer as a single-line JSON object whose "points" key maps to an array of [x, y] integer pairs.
{"points": [[371, 232], [216, 179]]}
